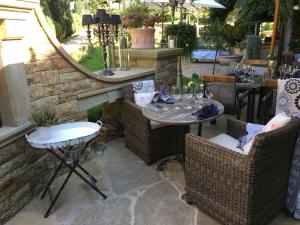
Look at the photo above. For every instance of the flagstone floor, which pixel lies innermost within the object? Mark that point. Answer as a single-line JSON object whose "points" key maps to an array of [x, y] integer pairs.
{"points": [[138, 194]]}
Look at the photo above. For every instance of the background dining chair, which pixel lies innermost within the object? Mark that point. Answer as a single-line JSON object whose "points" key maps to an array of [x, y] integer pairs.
{"points": [[239, 189], [224, 90]]}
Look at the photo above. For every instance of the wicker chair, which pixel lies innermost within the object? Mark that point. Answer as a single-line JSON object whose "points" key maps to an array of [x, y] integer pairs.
{"points": [[224, 90], [148, 144], [240, 189]]}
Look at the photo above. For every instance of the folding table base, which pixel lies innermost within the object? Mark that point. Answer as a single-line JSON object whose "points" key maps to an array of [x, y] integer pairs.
{"points": [[91, 183]]}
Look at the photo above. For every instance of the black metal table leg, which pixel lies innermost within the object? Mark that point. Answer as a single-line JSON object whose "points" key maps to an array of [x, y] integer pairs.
{"points": [[93, 179], [253, 105], [52, 179], [249, 107], [60, 190], [79, 175], [200, 129], [262, 94], [72, 168]]}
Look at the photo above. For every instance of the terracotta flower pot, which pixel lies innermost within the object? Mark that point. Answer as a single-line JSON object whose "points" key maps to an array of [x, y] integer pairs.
{"points": [[142, 37]]}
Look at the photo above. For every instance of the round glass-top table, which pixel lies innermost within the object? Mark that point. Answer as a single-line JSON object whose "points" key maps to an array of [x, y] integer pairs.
{"points": [[180, 114]]}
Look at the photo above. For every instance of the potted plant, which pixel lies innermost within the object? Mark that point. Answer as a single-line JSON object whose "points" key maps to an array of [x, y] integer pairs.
{"points": [[186, 37], [43, 118], [140, 25], [232, 35], [225, 36]]}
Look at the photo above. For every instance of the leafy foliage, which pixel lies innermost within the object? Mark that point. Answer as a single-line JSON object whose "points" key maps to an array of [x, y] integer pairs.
{"points": [[254, 9], [94, 113], [214, 34], [138, 15], [232, 35], [44, 116], [225, 35], [186, 36], [221, 14], [253, 47], [295, 43], [195, 81], [60, 13]]}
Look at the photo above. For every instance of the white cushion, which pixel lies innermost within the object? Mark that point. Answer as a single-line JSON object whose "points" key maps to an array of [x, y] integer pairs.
{"points": [[156, 125], [227, 142], [145, 86], [276, 122], [142, 99]]}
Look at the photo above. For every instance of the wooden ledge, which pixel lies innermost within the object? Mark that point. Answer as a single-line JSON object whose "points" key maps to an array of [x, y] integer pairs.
{"points": [[155, 53], [132, 73]]}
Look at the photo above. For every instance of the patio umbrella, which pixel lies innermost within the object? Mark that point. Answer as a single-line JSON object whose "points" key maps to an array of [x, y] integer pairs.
{"points": [[204, 3]]}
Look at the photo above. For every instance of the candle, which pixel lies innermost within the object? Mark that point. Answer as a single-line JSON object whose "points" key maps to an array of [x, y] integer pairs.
{"points": [[171, 44]]}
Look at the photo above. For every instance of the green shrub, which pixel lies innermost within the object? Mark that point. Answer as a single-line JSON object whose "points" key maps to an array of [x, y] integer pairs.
{"points": [[186, 36], [44, 116], [253, 47], [94, 114], [295, 43], [60, 13]]}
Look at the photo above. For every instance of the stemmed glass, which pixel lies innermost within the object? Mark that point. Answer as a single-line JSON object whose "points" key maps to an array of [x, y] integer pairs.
{"points": [[186, 91], [209, 94], [175, 93], [199, 93]]}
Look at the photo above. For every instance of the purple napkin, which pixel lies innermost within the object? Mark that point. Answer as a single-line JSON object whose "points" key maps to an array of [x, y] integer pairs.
{"points": [[207, 112], [162, 97]]}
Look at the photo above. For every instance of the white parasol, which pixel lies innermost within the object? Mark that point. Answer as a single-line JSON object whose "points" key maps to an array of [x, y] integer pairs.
{"points": [[203, 3]]}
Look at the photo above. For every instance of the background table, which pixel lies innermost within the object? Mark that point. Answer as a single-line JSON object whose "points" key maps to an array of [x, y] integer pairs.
{"points": [[257, 83], [179, 114]]}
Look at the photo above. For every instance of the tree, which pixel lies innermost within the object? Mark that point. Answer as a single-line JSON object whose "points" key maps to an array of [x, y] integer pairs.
{"points": [[60, 13], [221, 14], [252, 10], [215, 36]]}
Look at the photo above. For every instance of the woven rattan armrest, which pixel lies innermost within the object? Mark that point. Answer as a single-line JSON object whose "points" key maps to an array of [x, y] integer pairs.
{"points": [[236, 128], [205, 153], [202, 152], [134, 110]]}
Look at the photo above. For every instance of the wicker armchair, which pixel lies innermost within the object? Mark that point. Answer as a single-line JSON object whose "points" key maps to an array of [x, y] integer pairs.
{"points": [[240, 189], [148, 144]]}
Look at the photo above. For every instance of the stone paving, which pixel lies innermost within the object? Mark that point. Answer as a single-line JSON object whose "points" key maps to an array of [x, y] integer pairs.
{"points": [[138, 194]]}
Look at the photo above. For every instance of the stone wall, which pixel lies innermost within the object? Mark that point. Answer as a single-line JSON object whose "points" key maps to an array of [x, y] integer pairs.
{"points": [[164, 61], [52, 78], [23, 173]]}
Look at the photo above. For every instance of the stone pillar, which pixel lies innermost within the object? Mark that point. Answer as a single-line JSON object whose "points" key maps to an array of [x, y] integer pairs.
{"points": [[13, 91], [163, 60]]}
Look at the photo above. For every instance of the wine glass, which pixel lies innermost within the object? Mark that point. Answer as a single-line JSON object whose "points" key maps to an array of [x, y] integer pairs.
{"points": [[175, 93], [209, 94], [199, 93], [186, 91]]}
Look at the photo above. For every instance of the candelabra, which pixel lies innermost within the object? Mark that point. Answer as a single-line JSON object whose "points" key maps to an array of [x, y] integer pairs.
{"points": [[106, 31]]}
